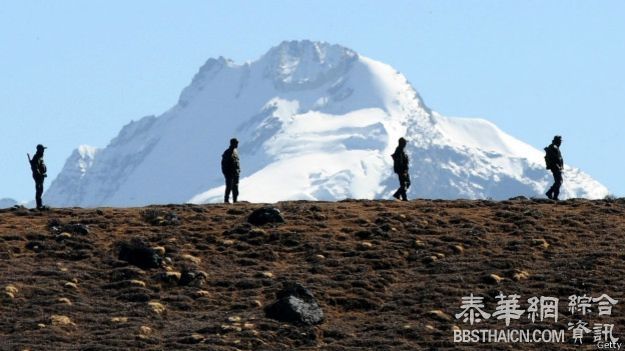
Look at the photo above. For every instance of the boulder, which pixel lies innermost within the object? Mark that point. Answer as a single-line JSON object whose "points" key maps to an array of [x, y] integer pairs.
{"points": [[265, 215], [192, 278], [56, 227], [296, 305], [138, 254]]}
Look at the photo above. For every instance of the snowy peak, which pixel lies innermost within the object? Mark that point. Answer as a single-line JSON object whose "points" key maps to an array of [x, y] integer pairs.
{"points": [[83, 157], [315, 121], [7, 202], [305, 64]]}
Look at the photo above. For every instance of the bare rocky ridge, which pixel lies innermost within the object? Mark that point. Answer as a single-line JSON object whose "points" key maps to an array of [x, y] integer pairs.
{"points": [[387, 275]]}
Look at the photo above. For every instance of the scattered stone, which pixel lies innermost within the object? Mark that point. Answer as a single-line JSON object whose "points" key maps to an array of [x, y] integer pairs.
{"points": [[256, 232], [64, 300], [71, 285], [138, 254], [419, 244], [60, 320], [41, 325], [440, 315], [267, 274], [161, 218], [11, 289], [159, 250], [228, 327], [119, 319], [144, 332], [234, 319], [78, 228], [35, 246], [136, 282], [192, 278], [493, 279], [193, 339], [265, 215], [296, 305], [156, 307], [458, 249], [541, 243], [520, 275], [169, 278], [63, 236], [57, 227], [193, 259], [201, 293], [365, 245]]}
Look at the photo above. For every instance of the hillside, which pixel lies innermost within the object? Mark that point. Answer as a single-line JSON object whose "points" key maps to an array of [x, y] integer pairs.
{"points": [[387, 275]]}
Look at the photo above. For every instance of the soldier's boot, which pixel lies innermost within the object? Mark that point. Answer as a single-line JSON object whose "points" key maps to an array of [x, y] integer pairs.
{"points": [[404, 196], [397, 194]]}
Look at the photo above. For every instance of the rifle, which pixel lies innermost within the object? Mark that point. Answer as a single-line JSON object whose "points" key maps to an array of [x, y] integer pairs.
{"points": [[30, 161]]}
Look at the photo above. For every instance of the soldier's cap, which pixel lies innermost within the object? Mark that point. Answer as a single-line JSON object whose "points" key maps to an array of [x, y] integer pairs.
{"points": [[41, 147]]}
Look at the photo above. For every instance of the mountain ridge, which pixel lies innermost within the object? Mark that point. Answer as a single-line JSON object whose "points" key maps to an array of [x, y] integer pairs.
{"points": [[322, 119]]}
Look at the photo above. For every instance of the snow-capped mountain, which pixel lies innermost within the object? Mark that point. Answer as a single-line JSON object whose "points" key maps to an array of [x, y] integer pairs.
{"points": [[7, 202], [314, 121]]}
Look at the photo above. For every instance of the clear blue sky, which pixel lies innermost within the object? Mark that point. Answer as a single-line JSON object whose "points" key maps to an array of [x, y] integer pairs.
{"points": [[74, 72]]}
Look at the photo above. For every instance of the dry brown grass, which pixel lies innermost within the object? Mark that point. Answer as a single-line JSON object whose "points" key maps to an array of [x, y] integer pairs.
{"points": [[388, 275]]}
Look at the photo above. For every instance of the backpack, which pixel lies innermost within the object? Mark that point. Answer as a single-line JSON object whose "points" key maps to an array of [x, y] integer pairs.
{"points": [[399, 162], [225, 162], [549, 159]]}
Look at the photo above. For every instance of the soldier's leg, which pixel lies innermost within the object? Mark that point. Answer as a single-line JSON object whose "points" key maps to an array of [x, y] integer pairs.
{"points": [[228, 189], [38, 193], [557, 177], [404, 184], [549, 192], [235, 188], [397, 193]]}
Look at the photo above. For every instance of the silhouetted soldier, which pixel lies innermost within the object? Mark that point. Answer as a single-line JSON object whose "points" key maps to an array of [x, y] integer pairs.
{"points": [[231, 170], [400, 166], [39, 173], [554, 162]]}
